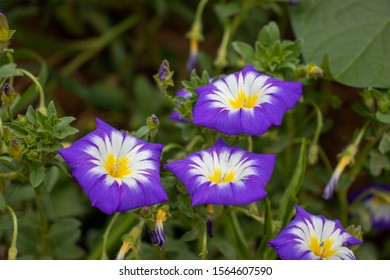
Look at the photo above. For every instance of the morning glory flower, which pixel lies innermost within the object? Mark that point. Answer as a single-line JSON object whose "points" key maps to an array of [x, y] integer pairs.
{"points": [[224, 174], [176, 116], [158, 234], [313, 237], [117, 171], [376, 199], [245, 102]]}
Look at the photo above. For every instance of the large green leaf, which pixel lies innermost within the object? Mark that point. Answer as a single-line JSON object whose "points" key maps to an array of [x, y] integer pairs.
{"points": [[354, 36]]}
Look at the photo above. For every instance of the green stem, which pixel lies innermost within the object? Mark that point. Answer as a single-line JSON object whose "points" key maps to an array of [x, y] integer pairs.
{"points": [[221, 60], [94, 46], [42, 107], [238, 237], [105, 236], [12, 252], [204, 251], [44, 224], [250, 144]]}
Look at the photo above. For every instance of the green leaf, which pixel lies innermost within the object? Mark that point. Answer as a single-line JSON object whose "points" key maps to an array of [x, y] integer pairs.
{"points": [[269, 35], [66, 132], [384, 144], [189, 131], [2, 202], [185, 205], [245, 50], [9, 70], [17, 129], [225, 11], [51, 110], [383, 118], [37, 174], [141, 132], [353, 34], [289, 195], [31, 115], [377, 163]]}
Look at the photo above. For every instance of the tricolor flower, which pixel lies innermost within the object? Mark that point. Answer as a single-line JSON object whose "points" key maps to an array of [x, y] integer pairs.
{"points": [[117, 171], [193, 57], [245, 102], [313, 237], [176, 116], [158, 234], [224, 175], [345, 160], [376, 199]]}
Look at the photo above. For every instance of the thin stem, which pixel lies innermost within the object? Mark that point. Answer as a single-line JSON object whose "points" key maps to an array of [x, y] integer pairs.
{"points": [[204, 251], [13, 250], [42, 107], [96, 45], [221, 61], [44, 225], [250, 143], [105, 236], [241, 245]]}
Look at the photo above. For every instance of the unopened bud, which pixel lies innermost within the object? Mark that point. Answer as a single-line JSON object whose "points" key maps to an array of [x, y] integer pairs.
{"points": [[7, 95], [357, 232], [15, 148], [314, 71], [164, 76], [5, 33], [152, 123]]}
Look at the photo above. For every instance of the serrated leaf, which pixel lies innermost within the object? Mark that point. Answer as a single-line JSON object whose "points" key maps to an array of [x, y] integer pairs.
{"points": [[356, 41], [37, 174]]}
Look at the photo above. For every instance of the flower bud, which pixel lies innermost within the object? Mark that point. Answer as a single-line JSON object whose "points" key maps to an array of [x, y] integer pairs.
{"points": [[15, 148], [152, 123], [7, 95], [314, 71], [357, 232], [5, 33], [164, 76]]}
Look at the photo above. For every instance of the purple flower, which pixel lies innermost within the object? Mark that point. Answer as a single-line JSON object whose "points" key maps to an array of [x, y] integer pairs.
{"points": [[193, 57], [313, 237], [117, 171], [224, 175], [158, 234], [245, 102], [376, 199], [176, 116]]}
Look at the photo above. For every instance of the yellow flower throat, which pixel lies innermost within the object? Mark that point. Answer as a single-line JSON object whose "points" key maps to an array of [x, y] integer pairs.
{"points": [[218, 178], [117, 167], [323, 249], [244, 101]]}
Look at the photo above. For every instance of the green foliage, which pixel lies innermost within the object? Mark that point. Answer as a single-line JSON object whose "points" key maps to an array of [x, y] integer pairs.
{"points": [[271, 55], [355, 44]]}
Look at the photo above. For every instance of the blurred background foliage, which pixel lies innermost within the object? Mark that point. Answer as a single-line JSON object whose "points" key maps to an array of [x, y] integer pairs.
{"points": [[96, 58]]}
